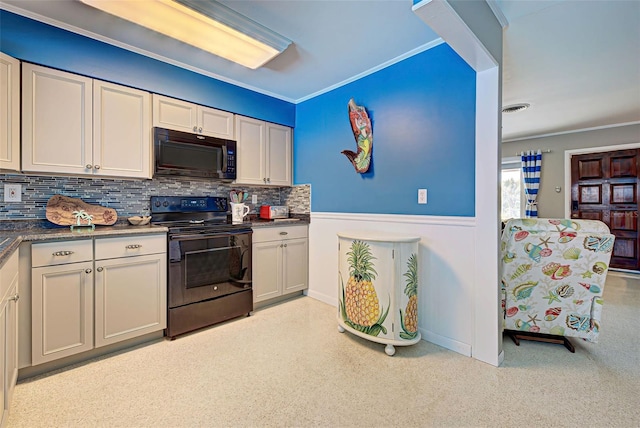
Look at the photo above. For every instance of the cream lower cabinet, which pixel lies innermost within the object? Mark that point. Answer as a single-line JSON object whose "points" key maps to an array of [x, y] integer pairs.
{"points": [[79, 304], [130, 289], [73, 124], [8, 334], [61, 299], [280, 261]]}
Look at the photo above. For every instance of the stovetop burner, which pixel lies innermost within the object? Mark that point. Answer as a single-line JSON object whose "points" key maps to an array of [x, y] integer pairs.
{"points": [[192, 214]]}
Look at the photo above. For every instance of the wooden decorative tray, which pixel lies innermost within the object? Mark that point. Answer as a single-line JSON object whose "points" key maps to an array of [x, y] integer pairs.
{"points": [[66, 211]]}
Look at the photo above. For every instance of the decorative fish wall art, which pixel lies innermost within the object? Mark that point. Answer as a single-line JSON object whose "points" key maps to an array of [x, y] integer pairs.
{"points": [[361, 127]]}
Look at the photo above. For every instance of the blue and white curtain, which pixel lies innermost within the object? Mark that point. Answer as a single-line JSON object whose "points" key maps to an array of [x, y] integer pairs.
{"points": [[531, 164]]}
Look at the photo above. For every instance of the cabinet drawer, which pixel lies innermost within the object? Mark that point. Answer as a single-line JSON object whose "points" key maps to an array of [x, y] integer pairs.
{"points": [[135, 245], [265, 234], [61, 252]]}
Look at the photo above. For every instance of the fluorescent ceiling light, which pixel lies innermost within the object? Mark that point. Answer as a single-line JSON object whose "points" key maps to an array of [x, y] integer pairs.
{"points": [[207, 25]]}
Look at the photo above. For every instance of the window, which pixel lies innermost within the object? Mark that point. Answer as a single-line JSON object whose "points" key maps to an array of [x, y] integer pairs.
{"points": [[512, 194]]}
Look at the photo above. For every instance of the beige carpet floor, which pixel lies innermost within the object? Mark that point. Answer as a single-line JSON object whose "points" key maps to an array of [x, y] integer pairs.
{"points": [[288, 366]]}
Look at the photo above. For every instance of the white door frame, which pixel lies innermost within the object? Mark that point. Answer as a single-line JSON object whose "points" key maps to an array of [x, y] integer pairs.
{"points": [[567, 167]]}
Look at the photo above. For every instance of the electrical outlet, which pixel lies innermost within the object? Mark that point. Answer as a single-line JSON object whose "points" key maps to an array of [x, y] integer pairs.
{"points": [[13, 193], [254, 199], [422, 196]]}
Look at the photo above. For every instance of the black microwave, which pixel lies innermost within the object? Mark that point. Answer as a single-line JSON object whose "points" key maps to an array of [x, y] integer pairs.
{"points": [[193, 155]]}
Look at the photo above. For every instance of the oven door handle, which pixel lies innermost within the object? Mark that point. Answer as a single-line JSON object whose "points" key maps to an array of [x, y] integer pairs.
{"points": [[196, 236]]}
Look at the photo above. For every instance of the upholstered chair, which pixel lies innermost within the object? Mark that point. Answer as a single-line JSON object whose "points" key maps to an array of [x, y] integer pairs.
{"points": [[553, 275]]}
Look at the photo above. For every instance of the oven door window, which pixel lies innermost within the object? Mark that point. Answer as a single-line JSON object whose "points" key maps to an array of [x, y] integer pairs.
{"points": [[212, 261]]}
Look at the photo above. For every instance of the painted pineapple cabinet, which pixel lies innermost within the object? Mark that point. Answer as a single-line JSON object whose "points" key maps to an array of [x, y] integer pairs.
{"points": [[126, 284], [378, 287], [73, 124], [8, 333], [280, 261], [9, 113], [264, 153], [178, 115]]}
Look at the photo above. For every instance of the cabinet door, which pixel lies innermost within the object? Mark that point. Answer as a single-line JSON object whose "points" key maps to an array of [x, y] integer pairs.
{"points": [[295, 265], [267, 270], [11, 339], [62, 311], [3, 362], [278, 155], [174, 114], [9, 113], [56, 121], [216, 123], [121, 131], [130, 297], [251, 155]]}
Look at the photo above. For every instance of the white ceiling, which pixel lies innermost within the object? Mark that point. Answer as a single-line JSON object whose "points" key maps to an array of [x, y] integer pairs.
{"points": [[576, 62]]}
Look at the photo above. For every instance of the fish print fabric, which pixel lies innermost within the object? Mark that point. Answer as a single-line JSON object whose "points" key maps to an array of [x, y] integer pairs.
{"points": [[553, 274]]}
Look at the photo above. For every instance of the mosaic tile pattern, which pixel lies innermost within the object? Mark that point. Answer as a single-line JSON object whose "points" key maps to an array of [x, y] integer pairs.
{"points": [[297, 198], [131, 197]]}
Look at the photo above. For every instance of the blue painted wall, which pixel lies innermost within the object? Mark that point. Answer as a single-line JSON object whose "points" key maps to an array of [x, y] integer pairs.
{"points": [[423, 116], [33, 41]]}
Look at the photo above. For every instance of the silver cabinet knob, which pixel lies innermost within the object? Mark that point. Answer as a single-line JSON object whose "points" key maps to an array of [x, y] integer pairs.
{"points": [[264, 179], [15, 298], [200, 129], [96, 167], [133, 246], [100, 269], [62, 253], [195, 129], [89, 166], [285, 245], [88, 271], [268, 180]]}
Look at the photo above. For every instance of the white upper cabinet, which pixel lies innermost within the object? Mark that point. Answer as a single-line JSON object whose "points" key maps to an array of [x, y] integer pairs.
{"points": [[56, 121], [251, 148], [76, 125], [180, 115], [121, 130], [9, 113], [264, 152], [279, 155]]}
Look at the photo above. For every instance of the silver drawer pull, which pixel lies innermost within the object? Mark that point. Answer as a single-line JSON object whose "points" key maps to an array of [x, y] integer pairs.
{"points": [[133, 246], [284, 233], [63, 253]]}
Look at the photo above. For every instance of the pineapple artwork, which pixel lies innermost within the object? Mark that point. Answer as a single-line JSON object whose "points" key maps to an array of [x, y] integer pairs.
{"points": [[409, 321], [359, 304]]}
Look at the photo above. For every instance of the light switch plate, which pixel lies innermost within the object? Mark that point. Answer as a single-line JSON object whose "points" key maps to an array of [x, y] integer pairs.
{"points": [[422, 196], [254, 199], [13, 193]]}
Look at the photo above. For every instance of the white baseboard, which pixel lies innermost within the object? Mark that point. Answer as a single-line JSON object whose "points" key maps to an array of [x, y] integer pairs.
{"points": [[445, 342], [322, 297]]}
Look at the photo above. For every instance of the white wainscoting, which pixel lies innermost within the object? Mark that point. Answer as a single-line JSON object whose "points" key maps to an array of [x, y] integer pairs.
{"points": [[446, 267]]}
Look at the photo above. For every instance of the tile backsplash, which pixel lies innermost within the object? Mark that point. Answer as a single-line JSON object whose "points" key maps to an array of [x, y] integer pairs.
{"points": [[131, 197]]}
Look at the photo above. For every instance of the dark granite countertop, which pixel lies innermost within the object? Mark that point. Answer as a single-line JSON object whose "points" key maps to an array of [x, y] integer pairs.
{"points": [[13, 232]]}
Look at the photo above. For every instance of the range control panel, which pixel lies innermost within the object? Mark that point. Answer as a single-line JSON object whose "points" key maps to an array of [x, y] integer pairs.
{"points": [[188, 204]]}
